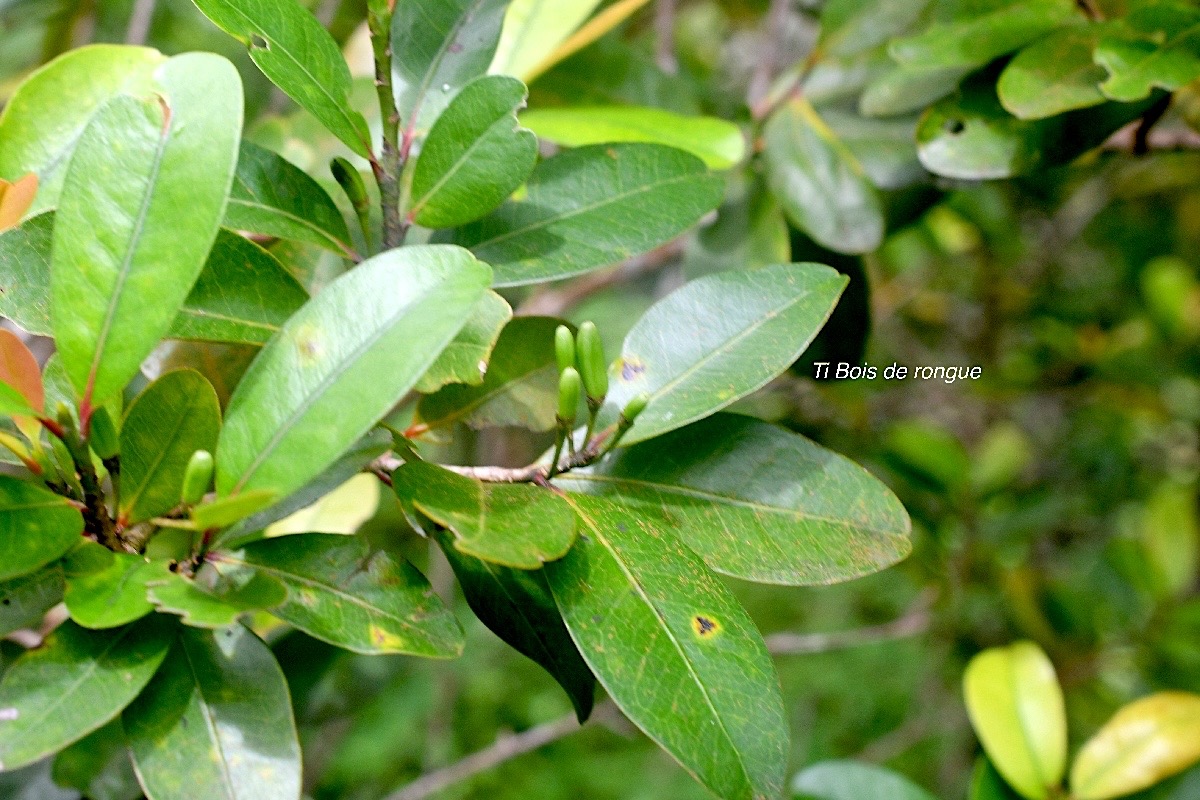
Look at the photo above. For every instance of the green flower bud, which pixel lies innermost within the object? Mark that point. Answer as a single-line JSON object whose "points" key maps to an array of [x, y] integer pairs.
{"points": [[103, 435], [197, 478], [564, 347], [569, 388], [593, 366], [633, 408]]}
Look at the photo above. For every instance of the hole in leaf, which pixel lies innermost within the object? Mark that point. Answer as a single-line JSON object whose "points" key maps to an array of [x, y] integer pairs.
{"points": [[954, 126], [259, 42]]}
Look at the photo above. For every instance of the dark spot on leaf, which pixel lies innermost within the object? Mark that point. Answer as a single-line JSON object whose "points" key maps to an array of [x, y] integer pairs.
{"points": [[6, 601], [631, 369], [596, 618], [259, 42], [954, 126], [622, 527], [705, 626]]}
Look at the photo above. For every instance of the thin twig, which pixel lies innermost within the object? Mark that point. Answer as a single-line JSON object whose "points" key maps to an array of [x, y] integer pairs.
{"points": [[914, 622], [557, 302], [139, 21]]}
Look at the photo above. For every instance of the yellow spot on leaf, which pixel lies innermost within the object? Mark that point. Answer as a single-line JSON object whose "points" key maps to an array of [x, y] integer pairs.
{"points": [[385, 640], [705, 626]]}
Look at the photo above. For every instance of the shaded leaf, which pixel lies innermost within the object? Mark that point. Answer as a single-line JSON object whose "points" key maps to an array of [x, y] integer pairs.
{"points": [[885, 149], [210, 601], [36, 527], [849, 27], [98, 766], [1054, 75], [906, 89], [986, 783], [25, 273], [1159, 49], [26, 599], [853, 780], [465, 359], [106, 589]]}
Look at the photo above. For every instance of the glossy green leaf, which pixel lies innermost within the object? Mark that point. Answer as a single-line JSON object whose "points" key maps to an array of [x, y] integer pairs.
{"points": [[341, 362], [849, 27], [475, 157], [758, 502], [25, 600], [274, 197], [36, 527], [517, 606], [533, 30], [343, 593], [819, 182], [216, 722], [344, 510], [1159, 49], [674, 649], [518, 389], [75, 682], [1054, 75], [123, 265], [25, 273], [693, 361], [719, 143], [439, 46], [174, 417], [210, 601], [299, 56], [515, 525], [1145, 742], [592, 207], [853, 780], [224, 511], [106, 589], [44, 118], [973, 38], [1016, 707], [465, 359]]}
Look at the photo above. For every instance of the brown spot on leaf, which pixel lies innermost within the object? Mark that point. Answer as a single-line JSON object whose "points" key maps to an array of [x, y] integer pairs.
{"points": [[705, 627]]}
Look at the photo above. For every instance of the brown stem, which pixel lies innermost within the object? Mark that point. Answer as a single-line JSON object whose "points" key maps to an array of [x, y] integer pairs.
{"points": [[389, 164], [96, 516]]}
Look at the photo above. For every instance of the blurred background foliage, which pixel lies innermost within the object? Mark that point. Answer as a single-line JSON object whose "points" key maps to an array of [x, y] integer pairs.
{"points": [[1054, 499]]}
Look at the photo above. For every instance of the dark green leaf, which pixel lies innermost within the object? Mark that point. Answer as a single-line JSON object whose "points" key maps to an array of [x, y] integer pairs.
{"points": [[986, 783], [342, 593], [25, 600], [216, 722], [517, 606], [98, 766], [758, 502], [592, 207], [106, 589], [341, 362], [516, 525], [852, 780], [299, 56], [36, 527], [673, 649], [465, 359], [25, 274], [1160, 49], [716, 340], [1054, 75], [75, 682], [475, 157]]}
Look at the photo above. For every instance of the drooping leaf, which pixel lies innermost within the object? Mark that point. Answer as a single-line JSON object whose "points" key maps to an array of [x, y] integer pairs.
{"points": [[243, 295], [1016, 708], [1145, 742], [36, 527], [19, 371], [272, 196], [692, 360], [123, 265], [758, 502], [342, 593], [515, 525], [174, 417], [439, 46], [1158, 49], [465, 359], [718, 142], [216, 722], [75, 682], [209, 600], [44, 118], [344, 510], [1055, 74], [592, 207], [819, 182], [322, 383], [475, 157], [853, 780], [517, 606], [25, 600], [533, 30], [674, 649], [25, 274], [299, 56], [106, 589], [518, 388]]}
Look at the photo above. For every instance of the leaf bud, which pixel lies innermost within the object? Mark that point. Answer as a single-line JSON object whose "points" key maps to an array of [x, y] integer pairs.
{"points": [[564, 347], [569, 389], [593, 366], [634, 407], [197, 478]]}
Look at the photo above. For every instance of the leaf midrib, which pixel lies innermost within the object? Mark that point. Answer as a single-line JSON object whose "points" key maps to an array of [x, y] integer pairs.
{"points": [[210, 723]]}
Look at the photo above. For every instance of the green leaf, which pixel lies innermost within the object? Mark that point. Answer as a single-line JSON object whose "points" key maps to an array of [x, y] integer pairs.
{"points": [[972, 38], [1158, 48], [533, 30], [518, 389], [1016, 707], [320, 384], [1147, 741], [517, 606], [36, 527], [1055, 74], [44, 118], [819, 182], [344, 510], [592, 207], [224, 511], [906, 89], [475, 157], [885, 149], [439, 46], [212, 601], [299, 56], [719, 143], [75, 682], [849, 27], [673, 649], [342, 593], [1170, 535], [216, 722], [515, 525], [243, 296], [25, 274], [273, 197], [986, 783], [758, 502], [106, 589], [98, 766], [852, 780], [123, 265], [26, 599], [174, 417], [716, 340], [465, 359]]}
